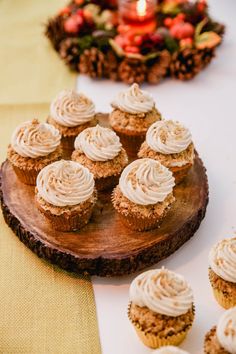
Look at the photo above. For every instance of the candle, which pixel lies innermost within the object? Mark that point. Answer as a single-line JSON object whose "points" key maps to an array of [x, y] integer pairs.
{"points": [[138, 14]]}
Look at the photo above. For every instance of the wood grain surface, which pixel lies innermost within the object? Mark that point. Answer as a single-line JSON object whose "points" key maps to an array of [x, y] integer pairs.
{"points": [[105, 247]]}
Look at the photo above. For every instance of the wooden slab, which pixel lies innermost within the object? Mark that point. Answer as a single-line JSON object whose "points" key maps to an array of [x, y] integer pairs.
{"points": [[104, 247]]}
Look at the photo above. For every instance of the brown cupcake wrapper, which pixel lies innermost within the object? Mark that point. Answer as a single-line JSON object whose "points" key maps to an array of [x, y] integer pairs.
{"points": [[142, 224], [26, 176], [66, 223], [180, 173], [131, 143], [154, 341]]}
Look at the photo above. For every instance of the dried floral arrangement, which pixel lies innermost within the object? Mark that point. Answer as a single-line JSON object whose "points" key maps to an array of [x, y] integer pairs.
{"points": [[88, 37]]}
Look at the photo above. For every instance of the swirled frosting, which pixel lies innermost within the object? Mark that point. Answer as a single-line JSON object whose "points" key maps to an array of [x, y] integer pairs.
{"points": [[226, 330], [70, 109], [98, 143], [33, 139], [222, 259], [162, 291], [168, 137], [65, 183], [134, 100], [169, 350], [146, 181]]}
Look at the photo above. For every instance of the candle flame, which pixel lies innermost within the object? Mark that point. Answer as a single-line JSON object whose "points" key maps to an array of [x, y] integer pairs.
{"points": [[141, 7]]}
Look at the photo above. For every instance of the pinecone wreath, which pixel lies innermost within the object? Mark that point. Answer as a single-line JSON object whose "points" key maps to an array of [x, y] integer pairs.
{"points": [[157, 70], [92, 62], [132, 70], [69, 52], [186, 64]]}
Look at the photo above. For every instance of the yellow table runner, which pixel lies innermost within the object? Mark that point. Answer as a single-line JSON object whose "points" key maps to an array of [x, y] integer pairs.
{"points": [[43, 309]]}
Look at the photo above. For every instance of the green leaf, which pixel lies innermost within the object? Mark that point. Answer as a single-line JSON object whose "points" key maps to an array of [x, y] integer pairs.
{"points": [[207, 40], [171, 44], [85, 42], [200, 26], [170, 8], [119, 51]]}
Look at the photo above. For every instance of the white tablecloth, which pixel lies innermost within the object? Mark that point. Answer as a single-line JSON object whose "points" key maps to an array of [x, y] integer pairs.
{"points": [[207, 106]]}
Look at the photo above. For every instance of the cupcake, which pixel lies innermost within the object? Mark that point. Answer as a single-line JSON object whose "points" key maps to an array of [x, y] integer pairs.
{"points": [[161, 307], [71, 113], [170, 143], [221, 339], [169, 349], [33, 146], [144, 194], [133, 113], [222, 272], [99, 149], [65, 195]]}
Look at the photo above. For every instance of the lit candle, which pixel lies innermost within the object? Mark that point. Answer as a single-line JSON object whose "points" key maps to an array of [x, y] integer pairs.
{"points": [[138, 14]]}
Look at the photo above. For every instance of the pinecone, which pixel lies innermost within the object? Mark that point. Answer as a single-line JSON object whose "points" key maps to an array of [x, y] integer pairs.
{"points": [[111, 65], [132, 70], [55, 31], [207, 55], [185, 64], [159, 68], [69, 52], [92, 62]]}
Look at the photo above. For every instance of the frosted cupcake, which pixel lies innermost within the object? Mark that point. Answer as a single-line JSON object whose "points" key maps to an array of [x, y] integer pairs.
{"points": [[71, 113], [170, 143], [170, 349], [161, 307], [133, 113], [222, 272], [65, 195], [99, 149], [221, 339], [144, 194], [33, 146]]}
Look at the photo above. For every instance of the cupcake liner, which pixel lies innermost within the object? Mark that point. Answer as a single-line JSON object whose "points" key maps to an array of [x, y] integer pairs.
{"points": [[66, 222], [131, 142], [223, 299], [26, 176], [153, 340], [180, 172], [140, 224]]}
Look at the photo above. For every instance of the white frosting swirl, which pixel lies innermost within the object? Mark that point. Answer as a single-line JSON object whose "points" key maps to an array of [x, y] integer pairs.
{"points": [[222, 259], [70, 109], [134, 100], [162, 291], [168, 137], [33, 139], [226, 330], [169, 350], [146, 181], [65, 183], [98, 143]]}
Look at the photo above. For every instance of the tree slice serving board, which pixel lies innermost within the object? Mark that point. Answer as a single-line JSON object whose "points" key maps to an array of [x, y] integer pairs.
{"points": [[105, 247]]}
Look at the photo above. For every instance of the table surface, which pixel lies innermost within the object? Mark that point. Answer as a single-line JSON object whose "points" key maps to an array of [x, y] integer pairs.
{"points": [[207, 106]]}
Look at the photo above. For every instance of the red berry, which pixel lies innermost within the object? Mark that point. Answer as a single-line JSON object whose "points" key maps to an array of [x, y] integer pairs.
{"points": [[71, 25], [182, 30], [122, 29], [79, 20], [181, 16], [64, 11], [79, 2], [120, 40], [168, 22], [131, 49], [138, 40], [186, 43]]}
